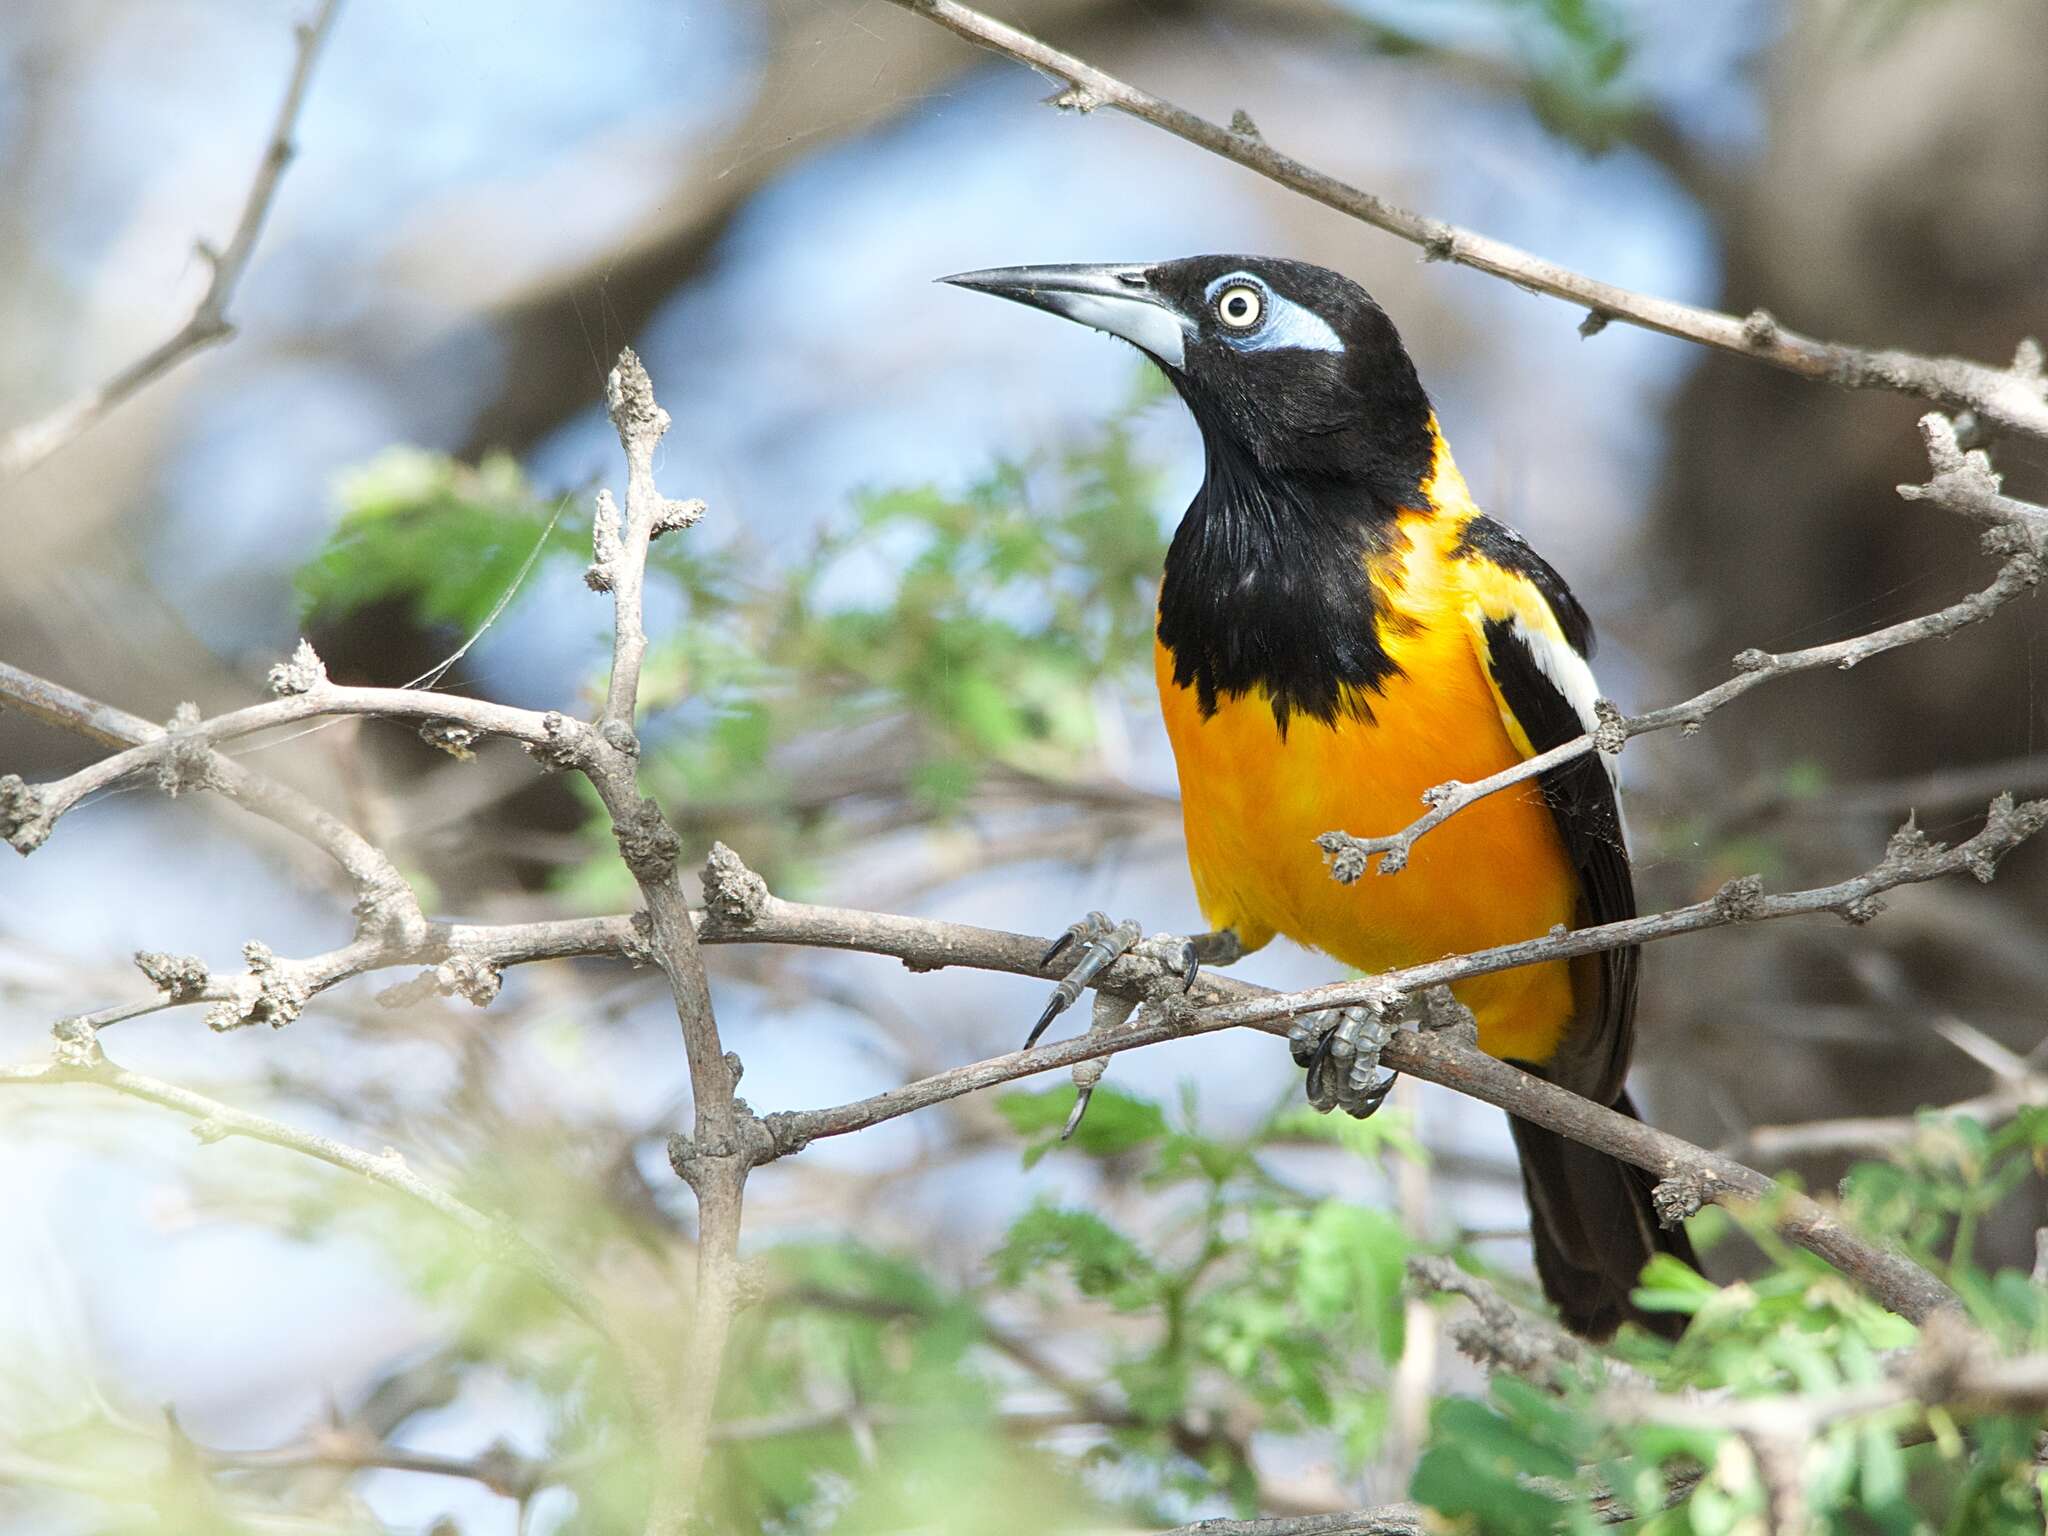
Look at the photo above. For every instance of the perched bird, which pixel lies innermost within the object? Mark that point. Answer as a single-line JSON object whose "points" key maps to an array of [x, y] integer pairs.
{"points": [[1340, 629]]}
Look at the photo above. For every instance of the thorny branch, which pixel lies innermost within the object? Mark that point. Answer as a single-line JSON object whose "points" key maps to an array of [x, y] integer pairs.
{"points": [[1962, 482], [208, 325], [739, 909], [2013, 399]]}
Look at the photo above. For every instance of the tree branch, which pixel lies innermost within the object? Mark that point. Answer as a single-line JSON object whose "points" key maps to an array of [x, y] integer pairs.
{"points": [[2020, 1087], [32, 442], [2011, 399], [1691, 1175], [1389, 1520], [725, 1142], [384, 901], [1962, 483], [739, 909]]}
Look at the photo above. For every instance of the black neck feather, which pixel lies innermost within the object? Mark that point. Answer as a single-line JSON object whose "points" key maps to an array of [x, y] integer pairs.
{"points": [[1268, 585]]}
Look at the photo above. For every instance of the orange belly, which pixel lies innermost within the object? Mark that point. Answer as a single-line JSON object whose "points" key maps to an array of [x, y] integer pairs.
{"points": [[1253, 804]]}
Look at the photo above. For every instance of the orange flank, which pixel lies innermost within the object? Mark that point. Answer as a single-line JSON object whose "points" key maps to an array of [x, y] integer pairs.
{"points": [[1254, 802]]}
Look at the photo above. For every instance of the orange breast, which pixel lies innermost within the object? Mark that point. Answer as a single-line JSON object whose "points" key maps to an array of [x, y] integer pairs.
{"points": [[1253, 803]]}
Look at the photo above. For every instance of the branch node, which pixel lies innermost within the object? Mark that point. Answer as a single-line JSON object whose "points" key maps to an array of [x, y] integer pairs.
{"points": [[646, 842], [269, 994], [674, 516], [451, 736], [1909, 844], [208, 1131], [629, 395], [24, 814], [733, 893], [1681, 1195], [302, 673], [1347, 857], [2029, 365], [620, 737], [181, 978], [78, 1045], [187, 762], [1759, 328], [1443, 1014], [1610, 733], [1741, 900], [475, 981], [606, 543], [505, 1472], [642, 924], [783, 1131], [1595, 322], [564, 747], [1862, 910], [1242, 125], [1751, 660], [1440, 243], [1497, 1337], [1076, 97]]}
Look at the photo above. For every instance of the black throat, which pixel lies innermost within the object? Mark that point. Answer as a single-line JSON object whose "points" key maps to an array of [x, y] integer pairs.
{"points": [[1268, 585]]}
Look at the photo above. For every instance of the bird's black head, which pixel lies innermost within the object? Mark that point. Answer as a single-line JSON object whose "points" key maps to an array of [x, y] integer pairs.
{"points": [[1291, 371]]}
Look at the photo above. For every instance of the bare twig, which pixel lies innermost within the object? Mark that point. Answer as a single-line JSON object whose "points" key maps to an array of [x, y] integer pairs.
{"points": [[1691, 1175], [1961, 482], [1388, 1520], [1953, 1368], [29, 444], [739, 909], [2020, 1086], [726, 1141], [382, 895], [2011, 399]]}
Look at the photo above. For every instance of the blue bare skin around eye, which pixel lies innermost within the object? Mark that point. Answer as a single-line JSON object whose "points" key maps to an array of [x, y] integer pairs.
{"points": [[1287, 324]]}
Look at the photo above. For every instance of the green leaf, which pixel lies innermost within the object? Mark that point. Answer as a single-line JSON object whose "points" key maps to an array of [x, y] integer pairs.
{"points": [[1102, 1262], [1475, 1466], [444, 538], [1116, 1122]]}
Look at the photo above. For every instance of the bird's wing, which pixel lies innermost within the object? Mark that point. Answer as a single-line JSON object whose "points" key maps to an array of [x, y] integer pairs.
{"points": [[1533, 639]]}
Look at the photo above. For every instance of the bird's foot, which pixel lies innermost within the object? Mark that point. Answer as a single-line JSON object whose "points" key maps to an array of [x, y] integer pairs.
{"points": [[1340, 1047], [1102, 943]]}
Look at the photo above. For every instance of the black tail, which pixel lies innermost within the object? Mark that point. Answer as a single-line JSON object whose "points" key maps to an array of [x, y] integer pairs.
{"points": [[1595, 1227]]}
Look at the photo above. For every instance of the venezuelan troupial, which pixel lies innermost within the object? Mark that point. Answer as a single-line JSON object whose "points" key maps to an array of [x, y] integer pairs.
{"points": [[1340, 629]]}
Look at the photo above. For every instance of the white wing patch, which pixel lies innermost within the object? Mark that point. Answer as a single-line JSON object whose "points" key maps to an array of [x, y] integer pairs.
{"points": [[1566, 669]]}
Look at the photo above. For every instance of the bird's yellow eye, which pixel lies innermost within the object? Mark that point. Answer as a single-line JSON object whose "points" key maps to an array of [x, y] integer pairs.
{"points": [[1239, 306]]}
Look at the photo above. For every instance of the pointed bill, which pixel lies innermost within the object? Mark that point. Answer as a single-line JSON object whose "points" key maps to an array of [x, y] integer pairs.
{"points": [[1113, 297]]}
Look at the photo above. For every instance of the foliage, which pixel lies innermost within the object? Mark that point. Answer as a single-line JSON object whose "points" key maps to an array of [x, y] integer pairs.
{"points": [[1221, 1294], [444, 539], [954, 634], [1796, 1330], [1569, 58], [960, 633]]}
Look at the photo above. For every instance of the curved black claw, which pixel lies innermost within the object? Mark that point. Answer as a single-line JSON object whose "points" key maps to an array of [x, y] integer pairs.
{"points": [[1102, 943], [1341, 1050]]}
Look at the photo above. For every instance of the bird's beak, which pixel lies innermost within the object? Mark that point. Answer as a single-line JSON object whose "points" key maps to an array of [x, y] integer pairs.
{"points": [[1115, 298]]}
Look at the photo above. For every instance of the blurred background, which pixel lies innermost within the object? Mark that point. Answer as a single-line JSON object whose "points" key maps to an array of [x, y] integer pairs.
{"points": [[903, 662]]}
